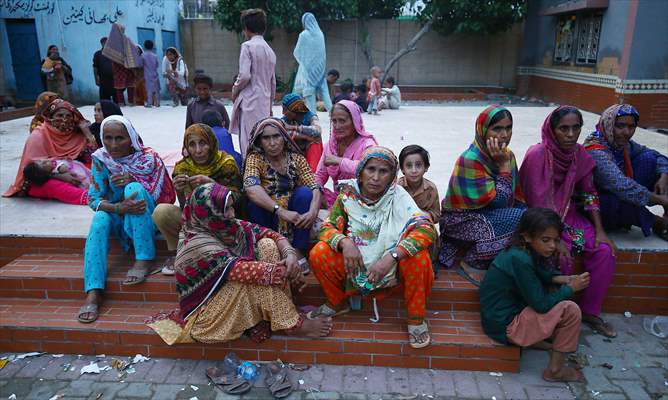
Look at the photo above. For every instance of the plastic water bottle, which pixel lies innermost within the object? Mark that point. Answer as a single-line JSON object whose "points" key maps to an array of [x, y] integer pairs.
{"points": [[231, 362], [248, 371]]}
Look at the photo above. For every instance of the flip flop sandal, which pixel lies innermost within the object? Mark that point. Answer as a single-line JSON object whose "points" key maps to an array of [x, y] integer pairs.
{"points": [[278, 380], [136, 272], [238, 386], [414, 333], [90, 309], [469, 273], [325, 311]]}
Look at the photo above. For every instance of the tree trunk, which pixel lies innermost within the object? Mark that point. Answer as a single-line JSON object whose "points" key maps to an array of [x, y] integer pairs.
{"points": [[365, 42], [410, 47]]}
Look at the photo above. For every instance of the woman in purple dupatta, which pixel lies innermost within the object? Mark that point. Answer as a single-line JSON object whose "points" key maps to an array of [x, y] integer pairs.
{"points": [[558, 173], [343, 152]]}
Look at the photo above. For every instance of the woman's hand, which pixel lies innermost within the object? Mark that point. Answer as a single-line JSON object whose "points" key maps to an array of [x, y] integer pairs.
{"points": [[563, 251], [602, 237], [69, 178], [132, 206], [661, 186], [380, 268], [306, 220], [352, 258], [287, 215], [579, 282], [180, 183], [293, 270], [83, 124], [499, 153], [120, 180], [199, 180], [331, 160]]}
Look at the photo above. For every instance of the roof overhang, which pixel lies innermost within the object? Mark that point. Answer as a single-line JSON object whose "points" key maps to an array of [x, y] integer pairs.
{"points": [[573, 6]]}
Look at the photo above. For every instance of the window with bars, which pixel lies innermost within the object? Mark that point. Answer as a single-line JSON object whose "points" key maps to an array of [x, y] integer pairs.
{"points": [[576, 40]]}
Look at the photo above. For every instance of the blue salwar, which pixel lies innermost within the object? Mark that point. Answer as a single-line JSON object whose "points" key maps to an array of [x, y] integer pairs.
{"points": [[300, 202], [623, 207], [138, 228], [225, 144]]}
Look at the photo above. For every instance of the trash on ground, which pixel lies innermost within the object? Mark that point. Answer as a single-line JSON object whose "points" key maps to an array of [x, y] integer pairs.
{"points": [[496, 374], [607, 365], [130, 370], [193, 387], [624, 369], [580, 360], [57, 355], [299, 367], [117, 364], [11, 397], [193, 398], [26, 355], [66, 367], [3, 363], [657, 326], [628, 314], [595, 393], [99, 396], [101, 356], [57, 396], [91, 368], [607, 340], [301, 381], [139, 359]]}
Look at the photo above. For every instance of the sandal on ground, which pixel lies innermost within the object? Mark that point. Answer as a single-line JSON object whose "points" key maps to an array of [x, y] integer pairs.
{"points": [[471, 274], [168, 266], [228, 382], [417, 331], [661, 230], [139, 273], [89, 308], [599, 325], [278, 381], [324, 311]]}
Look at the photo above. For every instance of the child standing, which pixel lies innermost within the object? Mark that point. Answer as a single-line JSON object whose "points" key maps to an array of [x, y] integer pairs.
{"points": [[374, 91], [515, 306], [151, 79], [414, 163]]}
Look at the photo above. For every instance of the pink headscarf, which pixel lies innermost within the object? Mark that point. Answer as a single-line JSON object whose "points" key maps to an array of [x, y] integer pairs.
{"points": [[549, 173], [356, 114]]}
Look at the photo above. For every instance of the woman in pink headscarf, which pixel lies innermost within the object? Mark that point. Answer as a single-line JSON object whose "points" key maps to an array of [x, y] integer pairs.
{"points": [[558, 174], [343, 152]]}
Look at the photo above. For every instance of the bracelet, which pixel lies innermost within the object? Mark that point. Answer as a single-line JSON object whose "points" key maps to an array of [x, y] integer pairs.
{"points": [[286, 251]]}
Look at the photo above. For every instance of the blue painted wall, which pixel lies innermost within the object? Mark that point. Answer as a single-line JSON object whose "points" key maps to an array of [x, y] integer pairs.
{"points": [[649, 51], [76, 27]]}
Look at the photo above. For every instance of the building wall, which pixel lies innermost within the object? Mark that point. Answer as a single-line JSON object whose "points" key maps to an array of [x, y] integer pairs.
{"points": [[636, 27], [453, 60], [649, 51], [76, 27]]}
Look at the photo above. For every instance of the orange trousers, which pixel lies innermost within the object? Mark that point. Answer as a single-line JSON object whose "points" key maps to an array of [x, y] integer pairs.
{"points": [[415, 274]]}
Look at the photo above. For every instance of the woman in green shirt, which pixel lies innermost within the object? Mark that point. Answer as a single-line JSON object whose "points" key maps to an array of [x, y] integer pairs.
{"points": [[516, 306]]}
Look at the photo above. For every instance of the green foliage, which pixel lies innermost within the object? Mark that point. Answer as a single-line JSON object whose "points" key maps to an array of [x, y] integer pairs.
{"points": [[481, 17], [287, 14]]}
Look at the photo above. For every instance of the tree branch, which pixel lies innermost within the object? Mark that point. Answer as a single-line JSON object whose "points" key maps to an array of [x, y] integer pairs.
{"points": [[410, 47]]}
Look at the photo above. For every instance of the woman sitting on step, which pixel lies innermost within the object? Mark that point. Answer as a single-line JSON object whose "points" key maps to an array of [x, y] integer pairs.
{"points": [[484, 201], [628, 175], [516, 306], [128, 181], [558, 174], [232, 276], [202, 163], [375, 239]]}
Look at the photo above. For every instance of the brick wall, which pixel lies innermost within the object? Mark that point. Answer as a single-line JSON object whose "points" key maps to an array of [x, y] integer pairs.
{"points": [[653, 107]]}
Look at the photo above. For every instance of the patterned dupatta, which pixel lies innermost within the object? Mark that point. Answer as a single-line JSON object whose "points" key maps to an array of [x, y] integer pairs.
{"points": [[473, 182], [603, 139], [209, 246]]}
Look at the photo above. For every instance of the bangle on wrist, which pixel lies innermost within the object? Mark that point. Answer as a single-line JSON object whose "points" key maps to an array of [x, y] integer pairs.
{"points": [[286, 251]]}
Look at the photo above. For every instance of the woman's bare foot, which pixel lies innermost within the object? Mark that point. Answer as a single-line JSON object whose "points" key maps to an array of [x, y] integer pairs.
{"points": [[564, 374], [319, 327]]}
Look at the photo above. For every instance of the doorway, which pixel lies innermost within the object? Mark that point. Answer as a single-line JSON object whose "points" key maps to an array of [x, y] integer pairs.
{"points": [[24, 50]]}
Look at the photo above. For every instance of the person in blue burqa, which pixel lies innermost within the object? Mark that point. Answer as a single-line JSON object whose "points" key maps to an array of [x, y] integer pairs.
{"points": [[310, 54]]}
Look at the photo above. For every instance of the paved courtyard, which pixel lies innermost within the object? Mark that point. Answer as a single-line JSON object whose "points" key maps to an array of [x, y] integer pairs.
{"points": [[639, 361], [639, 371]]}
